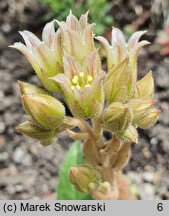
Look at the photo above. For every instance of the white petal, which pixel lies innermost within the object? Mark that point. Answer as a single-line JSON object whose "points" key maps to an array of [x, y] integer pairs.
{"points": [[119, 46], [133, 40], [117, 37], [83, 20], [109, 52], [57, 47], [46, 59], [23, 49], [72, 22], [71, 66], [48, 33], [30, 39], [92, 64]]}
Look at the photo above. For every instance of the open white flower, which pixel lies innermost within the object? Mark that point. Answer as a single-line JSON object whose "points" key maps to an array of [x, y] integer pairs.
{"points": [[120, 49], [82, 85], [43, 55]]}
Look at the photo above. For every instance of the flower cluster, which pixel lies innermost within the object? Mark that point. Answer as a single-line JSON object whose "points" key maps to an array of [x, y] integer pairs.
{"points": [[67, 61]]}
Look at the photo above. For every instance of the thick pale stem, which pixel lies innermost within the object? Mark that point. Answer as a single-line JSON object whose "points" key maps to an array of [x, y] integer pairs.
{"points": [[97, 128], [109, 157], [80, 123], [108, 174], [76, 136], [91, 152]]}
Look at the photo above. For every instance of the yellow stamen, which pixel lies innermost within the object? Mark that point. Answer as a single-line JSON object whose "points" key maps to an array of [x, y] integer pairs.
{"points": [[89, 78], [81, 74], [73, 88], [87, 85], [75, 79], [78, 87]]}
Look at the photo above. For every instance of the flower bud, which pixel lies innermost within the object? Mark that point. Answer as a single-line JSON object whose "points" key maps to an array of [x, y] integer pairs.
{"points": [[117, 117], [130, 135], [140, 107], [26, 88], [45, 136], [46, 142], [45, 110], [106, 192], [33, 130], [112, 86], [119, 83], [122, 158], [29, 89], [104, 187], [149, 119], [85, 178]]}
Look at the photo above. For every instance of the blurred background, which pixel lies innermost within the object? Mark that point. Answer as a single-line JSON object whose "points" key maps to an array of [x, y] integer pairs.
{"points": [[29, 171]]}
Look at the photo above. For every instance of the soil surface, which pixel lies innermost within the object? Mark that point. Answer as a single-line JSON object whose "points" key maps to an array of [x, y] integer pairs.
{"points": [[30, 171]]}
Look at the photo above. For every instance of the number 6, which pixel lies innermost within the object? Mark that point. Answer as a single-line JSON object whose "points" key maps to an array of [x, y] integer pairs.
{"points": [[160, 206]]}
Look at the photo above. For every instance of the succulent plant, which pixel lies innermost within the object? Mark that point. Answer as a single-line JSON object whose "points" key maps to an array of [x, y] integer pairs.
{"points": [[67, 61]]}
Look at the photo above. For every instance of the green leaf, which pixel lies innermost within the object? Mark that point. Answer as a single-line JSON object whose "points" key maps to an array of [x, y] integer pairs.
{"points": [[65, 190], [99, 11]]}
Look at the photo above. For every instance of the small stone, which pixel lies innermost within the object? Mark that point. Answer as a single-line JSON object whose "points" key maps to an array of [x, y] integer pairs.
{"points": [[3, 41], [6, 27], [162, 191], [161, 133], [163, 117], [18, 188], [1, 95], [146, 191], [18, 155], [3, 5], [2, 140], [2, 127], [27, 160], [147, 154], [134, 177], [162, 77], [148, 177], [49, 196], [154, 141], [4, 156], [10, 189]]}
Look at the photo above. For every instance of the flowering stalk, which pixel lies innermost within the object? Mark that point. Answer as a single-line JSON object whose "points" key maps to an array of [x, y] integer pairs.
{"points": [[68, 62]]}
